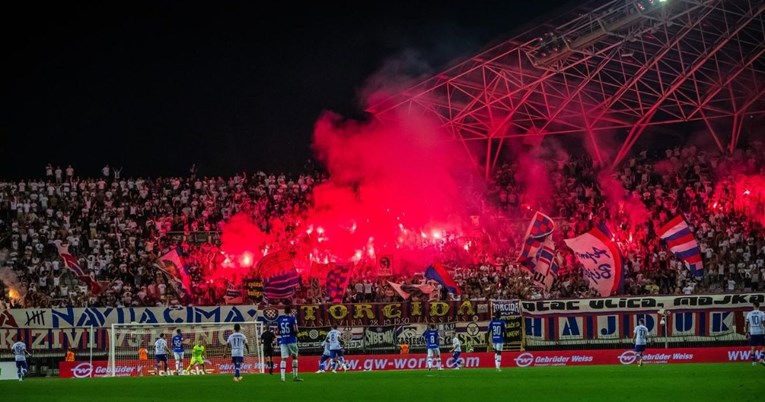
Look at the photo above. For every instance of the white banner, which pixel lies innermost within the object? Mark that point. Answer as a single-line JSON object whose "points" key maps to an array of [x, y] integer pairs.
{"points": [[722, 302], [104, 317], [601, 259]]}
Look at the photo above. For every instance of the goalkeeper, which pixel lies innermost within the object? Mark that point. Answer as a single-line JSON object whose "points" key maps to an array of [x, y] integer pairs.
{"points": [[198, 356]]}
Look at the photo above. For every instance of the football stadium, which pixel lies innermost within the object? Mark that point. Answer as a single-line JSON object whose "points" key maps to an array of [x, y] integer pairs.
{"points": [[562, 200]]}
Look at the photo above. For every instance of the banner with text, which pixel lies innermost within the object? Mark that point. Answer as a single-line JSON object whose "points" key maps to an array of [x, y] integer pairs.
{"points": [[99, 368], [310, 339], [600, 258], [645, 303], [619, 327], [471, 334], [69, 317], [510, 312], [384, 314], [141, 368]]}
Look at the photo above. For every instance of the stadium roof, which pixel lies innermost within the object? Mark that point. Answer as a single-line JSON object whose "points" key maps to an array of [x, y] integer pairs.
{"points": [[617, 66]]}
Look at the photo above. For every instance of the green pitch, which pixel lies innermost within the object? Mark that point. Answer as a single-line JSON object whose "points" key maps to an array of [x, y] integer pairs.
{"points": [[682, 382]]}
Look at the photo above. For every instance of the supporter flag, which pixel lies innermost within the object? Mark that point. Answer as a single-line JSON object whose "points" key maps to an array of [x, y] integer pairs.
{"points": [[397, 288], [437, 273], [385, 265], [233, 295], [540, 228], [74, 265], [337, 281], [538, 250], [171, 263], [544, 267], [555, 265], [406, 290], [281, 277], [601, 258], [681, 242], [281, 286]]}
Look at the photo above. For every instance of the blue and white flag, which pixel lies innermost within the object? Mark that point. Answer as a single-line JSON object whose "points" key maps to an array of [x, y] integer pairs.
{"points": [[681, 242], [281, 286]]}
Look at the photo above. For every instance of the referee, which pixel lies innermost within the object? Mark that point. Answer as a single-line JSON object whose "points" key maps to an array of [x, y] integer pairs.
{"points": [[267, 340]]}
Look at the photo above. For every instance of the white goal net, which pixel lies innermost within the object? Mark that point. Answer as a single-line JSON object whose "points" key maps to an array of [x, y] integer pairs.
{"points": [[132, 352]]}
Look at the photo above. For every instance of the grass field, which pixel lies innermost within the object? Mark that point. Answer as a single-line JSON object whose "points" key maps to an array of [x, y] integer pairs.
{"points": [[681, 382]]}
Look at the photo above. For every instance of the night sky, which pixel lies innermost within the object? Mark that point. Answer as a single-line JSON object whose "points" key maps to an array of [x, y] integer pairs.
{"points": [[157, 86]]}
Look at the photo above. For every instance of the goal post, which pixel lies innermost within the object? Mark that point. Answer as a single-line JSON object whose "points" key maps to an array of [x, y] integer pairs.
{"points": [[131, 348]]}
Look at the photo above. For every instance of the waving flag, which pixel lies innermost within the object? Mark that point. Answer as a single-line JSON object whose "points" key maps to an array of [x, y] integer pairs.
{"points": [[681, 242], [280, 275], [437, 273], [544, 267], [601, 258], [538, 250], [173, 266], [406, 290], [540, 228], [74, 265], [337, 281], [281, 286], [555, 264], [233, 295]]}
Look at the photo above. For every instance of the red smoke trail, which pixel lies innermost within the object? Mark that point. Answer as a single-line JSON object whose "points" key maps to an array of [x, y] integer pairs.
{"points": [[392, 190], [742, 193], [532, 175], [620, 203]]}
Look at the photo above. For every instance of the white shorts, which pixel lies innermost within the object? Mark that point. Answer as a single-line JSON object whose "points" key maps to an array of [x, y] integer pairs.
{"points": [[178, 355], [499, 346], [434, 352], [289, 349]]}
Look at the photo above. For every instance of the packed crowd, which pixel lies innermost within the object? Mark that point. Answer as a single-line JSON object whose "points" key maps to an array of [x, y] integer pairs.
{"points": [[118, 226]]}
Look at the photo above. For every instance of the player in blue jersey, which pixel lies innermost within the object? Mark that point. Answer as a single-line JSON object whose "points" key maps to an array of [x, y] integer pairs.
{"points": [[431, 342], [497, 332], [20, 354], [160, 353], [755, 330], [640, 338], [325, 357], [238, 344], [287, 325], [178, 351]]}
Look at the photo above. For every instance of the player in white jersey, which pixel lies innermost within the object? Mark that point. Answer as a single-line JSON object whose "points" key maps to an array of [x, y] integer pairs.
{"points": [[755, 331], [640, 339], [19, 350], [456, 351], [324, 360], [335, 348], [238, 344], [160, 353]]}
